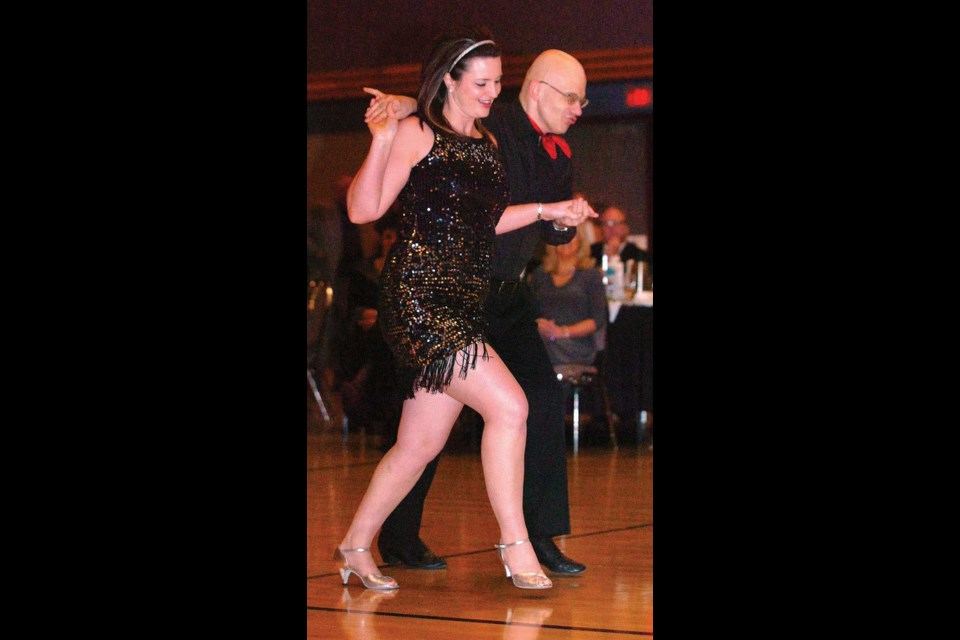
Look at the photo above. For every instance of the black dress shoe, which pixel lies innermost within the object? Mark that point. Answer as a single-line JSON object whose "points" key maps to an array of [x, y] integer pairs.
{"points": [[415, 556], [550, 556]]}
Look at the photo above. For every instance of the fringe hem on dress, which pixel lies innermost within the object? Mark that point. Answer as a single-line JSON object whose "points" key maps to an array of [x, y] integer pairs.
{"points": [[436, 376]]}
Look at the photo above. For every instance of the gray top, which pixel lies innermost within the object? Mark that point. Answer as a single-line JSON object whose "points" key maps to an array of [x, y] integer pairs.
{"points": [[582, 297]]}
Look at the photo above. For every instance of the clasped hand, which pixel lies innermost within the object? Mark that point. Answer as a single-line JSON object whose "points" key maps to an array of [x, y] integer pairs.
{"points": [[578, 212], [383, 114], [549, 329]]}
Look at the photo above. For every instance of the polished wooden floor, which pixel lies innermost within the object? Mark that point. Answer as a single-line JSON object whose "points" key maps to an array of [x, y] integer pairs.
{"points": [[611, 504]]}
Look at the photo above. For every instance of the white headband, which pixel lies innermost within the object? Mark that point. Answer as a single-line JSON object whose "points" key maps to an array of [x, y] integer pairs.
{"points": [[468, 50]]}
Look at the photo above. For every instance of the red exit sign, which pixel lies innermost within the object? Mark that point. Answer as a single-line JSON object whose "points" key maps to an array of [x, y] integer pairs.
{"points": [[639, 97]]}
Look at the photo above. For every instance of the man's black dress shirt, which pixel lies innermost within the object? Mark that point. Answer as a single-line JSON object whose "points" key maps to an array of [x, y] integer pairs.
{"points": [[533, 177]]}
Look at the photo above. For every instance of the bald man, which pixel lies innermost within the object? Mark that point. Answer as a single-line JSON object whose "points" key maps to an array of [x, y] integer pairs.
{"points": [[539, 169], [613, 222]]}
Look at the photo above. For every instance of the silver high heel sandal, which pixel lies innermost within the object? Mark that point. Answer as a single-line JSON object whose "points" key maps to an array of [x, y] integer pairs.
{"points": [[371, 580], [524, 580]]}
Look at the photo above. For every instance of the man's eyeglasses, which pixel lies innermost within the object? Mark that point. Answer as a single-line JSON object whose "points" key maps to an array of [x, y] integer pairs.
{"points": [[571, 98], [611, 223]]}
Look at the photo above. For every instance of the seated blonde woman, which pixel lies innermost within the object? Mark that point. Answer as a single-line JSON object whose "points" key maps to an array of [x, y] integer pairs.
{"points": [[573, 306]]}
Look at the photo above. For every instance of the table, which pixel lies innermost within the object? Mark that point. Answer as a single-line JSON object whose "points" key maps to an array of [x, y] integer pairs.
{"points": [[628, 357]]}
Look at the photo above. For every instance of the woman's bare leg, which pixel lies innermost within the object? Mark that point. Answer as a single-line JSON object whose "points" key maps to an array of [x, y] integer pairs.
{"points": [[492, 391], [425, 425]]}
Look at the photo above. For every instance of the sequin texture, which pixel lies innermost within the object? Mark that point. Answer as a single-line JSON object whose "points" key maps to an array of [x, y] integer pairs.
{"points": [[437, 274]]}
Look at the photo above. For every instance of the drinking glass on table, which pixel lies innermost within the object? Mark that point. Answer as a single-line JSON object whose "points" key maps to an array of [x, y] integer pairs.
{"points": [[631, 279]]}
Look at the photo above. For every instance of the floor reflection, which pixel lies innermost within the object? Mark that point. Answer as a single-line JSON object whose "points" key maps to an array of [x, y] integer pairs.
{"points": [[366, 600], [362, 627], [523, 623]]}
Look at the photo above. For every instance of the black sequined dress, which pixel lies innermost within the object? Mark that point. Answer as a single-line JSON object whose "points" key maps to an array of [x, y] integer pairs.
{"points": [[437, 274]]}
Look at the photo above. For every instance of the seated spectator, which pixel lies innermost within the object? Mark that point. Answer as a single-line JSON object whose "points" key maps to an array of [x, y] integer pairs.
{"points": [[367, 379], [614, 227], [572, 302]]}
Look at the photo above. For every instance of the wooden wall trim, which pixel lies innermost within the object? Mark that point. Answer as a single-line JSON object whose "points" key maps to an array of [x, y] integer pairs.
{"points": [[604, 65]]}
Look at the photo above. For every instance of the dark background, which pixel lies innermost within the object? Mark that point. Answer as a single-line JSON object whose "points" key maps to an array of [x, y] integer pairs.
{"points": [[345, 35]]}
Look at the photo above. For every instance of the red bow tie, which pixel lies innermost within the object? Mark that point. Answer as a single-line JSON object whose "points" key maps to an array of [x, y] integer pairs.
{"points": [[551, 141]]}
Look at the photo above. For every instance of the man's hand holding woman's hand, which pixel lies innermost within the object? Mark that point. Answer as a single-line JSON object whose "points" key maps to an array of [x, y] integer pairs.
{"points": [[381, 116], [384, 105], [577, 213]]}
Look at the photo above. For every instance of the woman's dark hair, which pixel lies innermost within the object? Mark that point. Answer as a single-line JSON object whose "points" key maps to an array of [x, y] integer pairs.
{"points": [[433, 90]]}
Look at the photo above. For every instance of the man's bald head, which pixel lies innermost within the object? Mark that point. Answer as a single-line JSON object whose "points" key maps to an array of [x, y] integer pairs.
{"points": [[557, 65], [552, 78]]}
